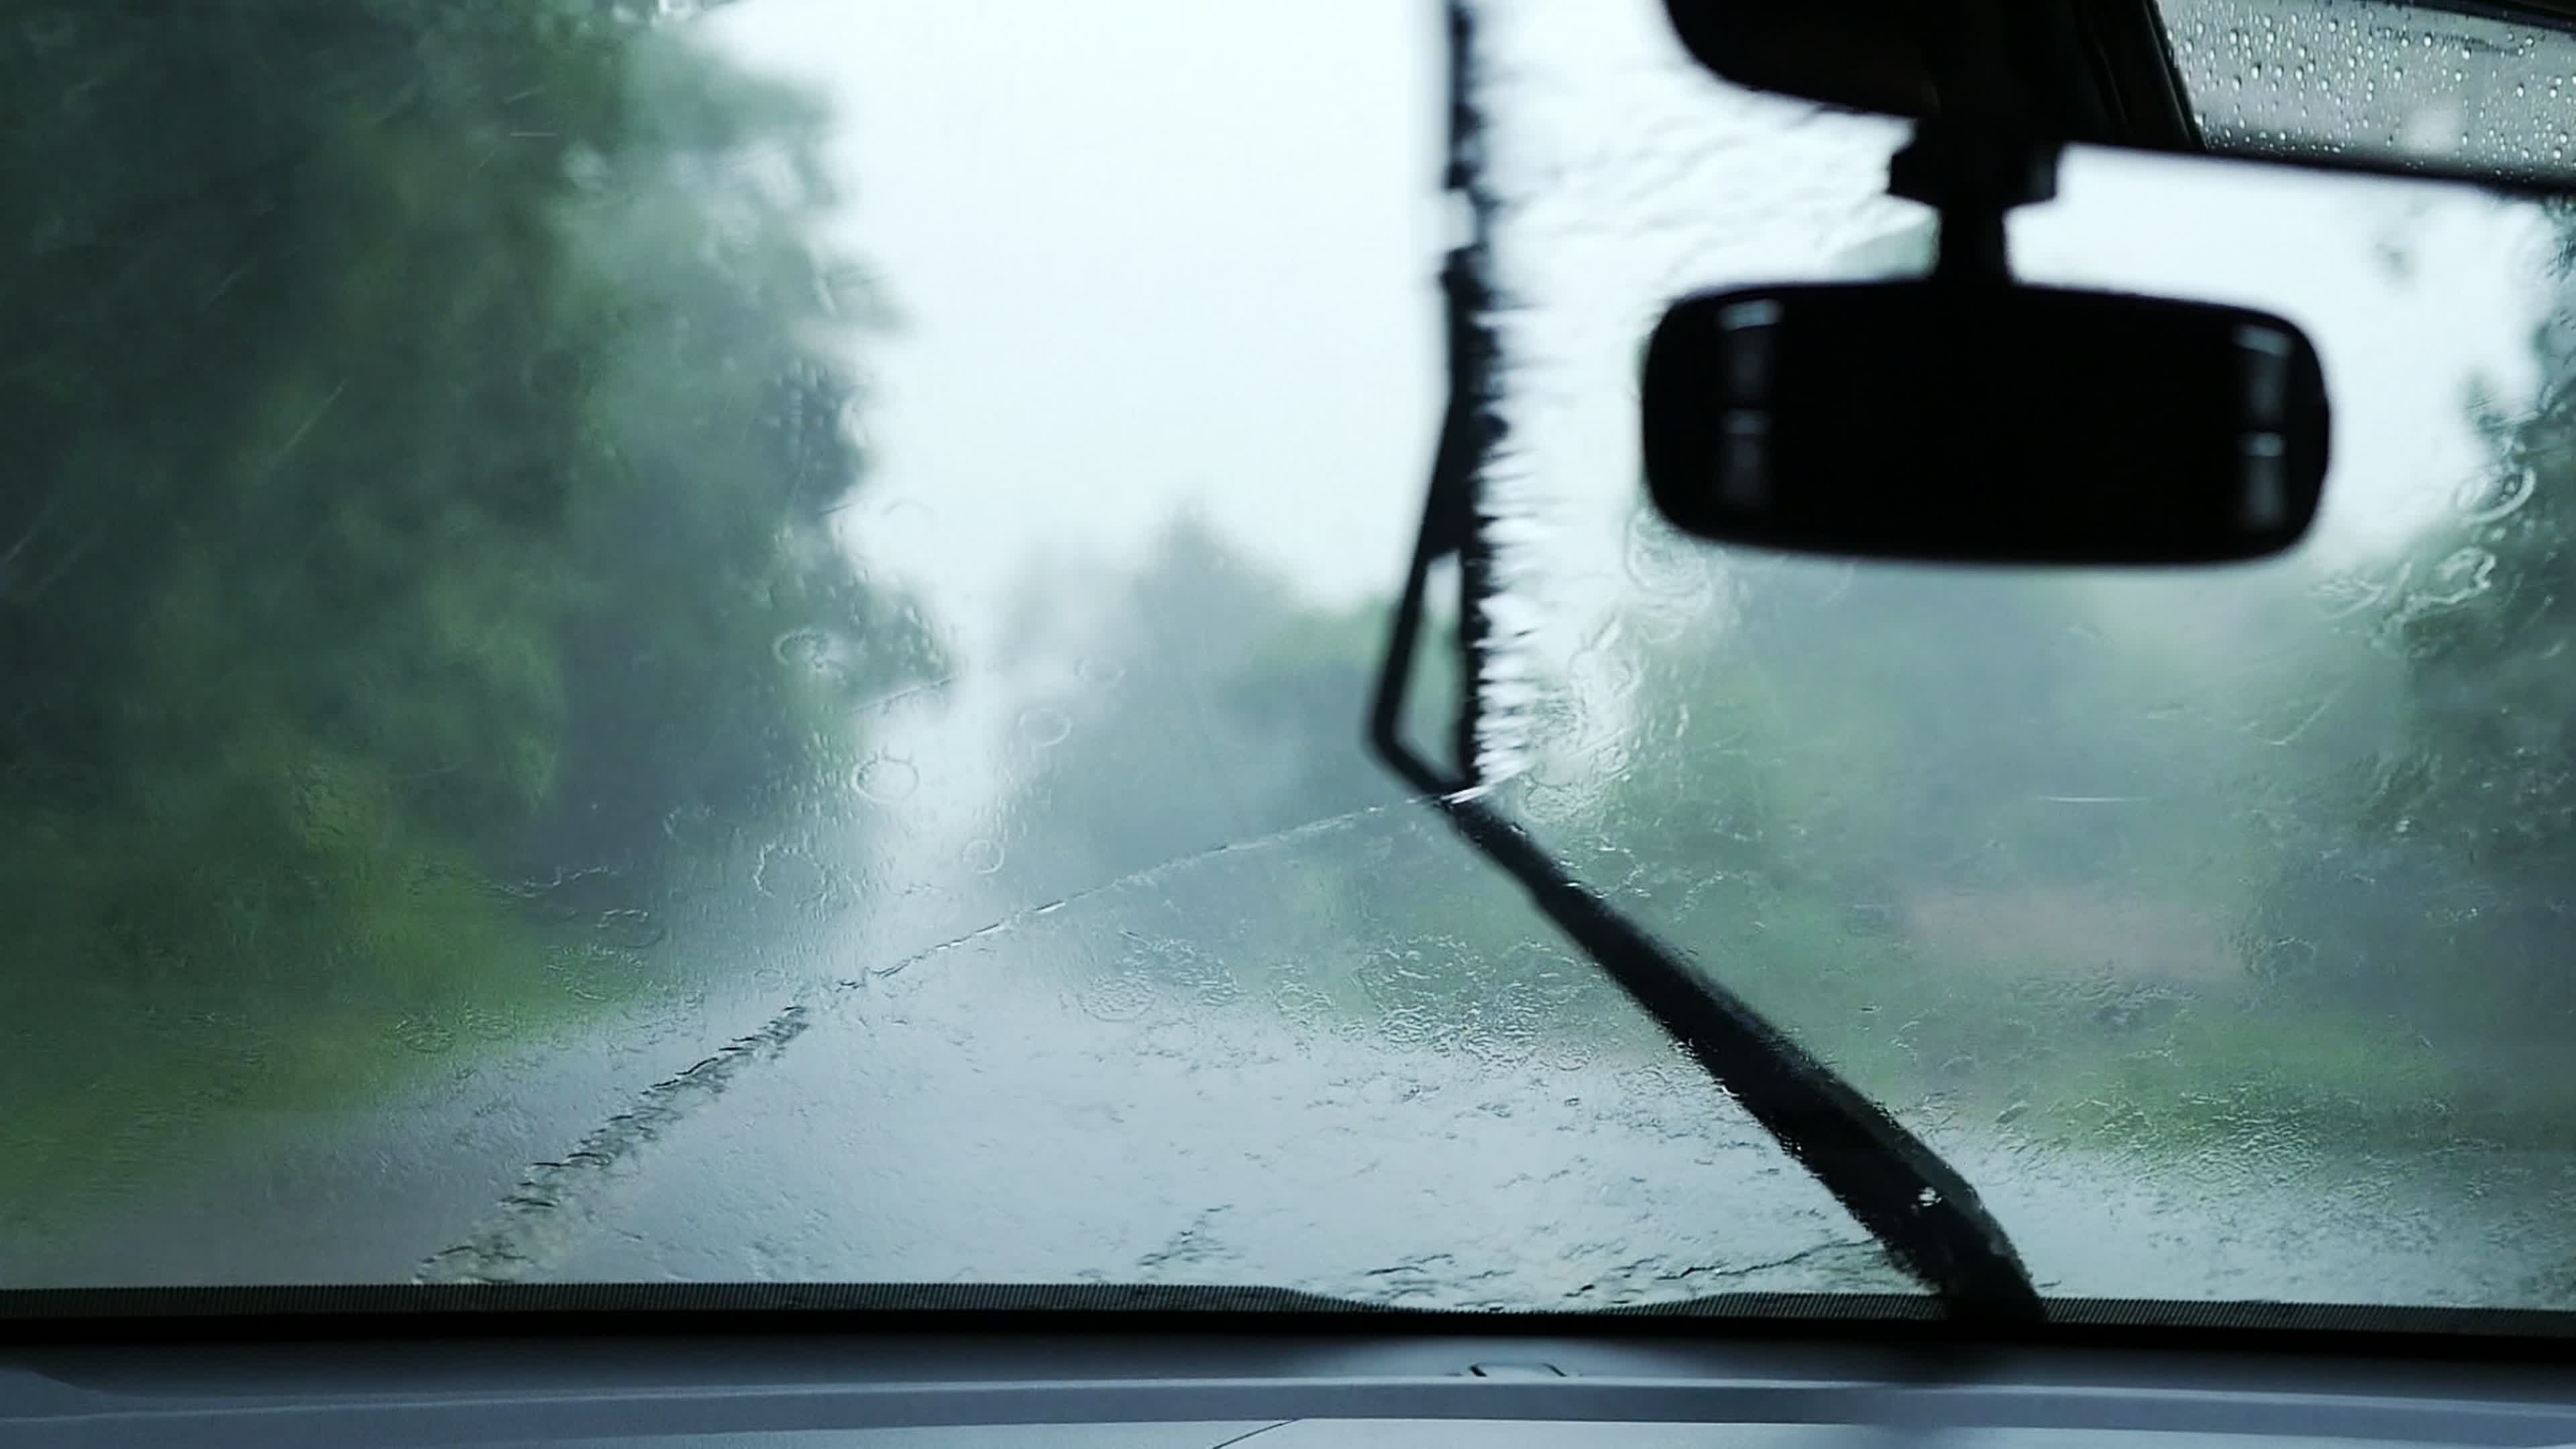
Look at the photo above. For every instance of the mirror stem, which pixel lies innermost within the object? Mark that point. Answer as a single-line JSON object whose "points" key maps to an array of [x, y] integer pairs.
{"points": [[1972, 246], [1972, 174]]}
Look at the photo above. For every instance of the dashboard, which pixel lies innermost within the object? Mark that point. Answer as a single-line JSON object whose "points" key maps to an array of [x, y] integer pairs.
{"points": [[890, 1389]]}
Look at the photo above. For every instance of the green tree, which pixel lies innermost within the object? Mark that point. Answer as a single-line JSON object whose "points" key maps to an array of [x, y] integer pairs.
{"points": [[2013, 839], [1222, 708], [1211, 753], [422, 422], [2479, 800]]}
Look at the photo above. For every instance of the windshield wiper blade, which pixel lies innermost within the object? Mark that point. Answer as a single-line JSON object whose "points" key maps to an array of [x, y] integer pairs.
{"points": [[1918, 1206], [1921, 1210]]}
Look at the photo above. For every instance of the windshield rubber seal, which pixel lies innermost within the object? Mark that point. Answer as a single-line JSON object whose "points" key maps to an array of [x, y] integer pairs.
{"points": [[44, 1318]]}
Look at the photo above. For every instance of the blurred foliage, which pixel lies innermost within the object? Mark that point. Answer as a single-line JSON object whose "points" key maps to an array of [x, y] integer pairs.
{"points": [[1976, 838], [2432, 883], [423, 422], [2066, 855], [1231, 711]]}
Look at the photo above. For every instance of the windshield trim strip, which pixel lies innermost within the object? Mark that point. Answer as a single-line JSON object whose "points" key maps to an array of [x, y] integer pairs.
{"points": [[54, 1317]]}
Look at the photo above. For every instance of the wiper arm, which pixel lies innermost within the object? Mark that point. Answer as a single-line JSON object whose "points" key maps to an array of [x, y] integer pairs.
{"points": [[1925, 1214]]}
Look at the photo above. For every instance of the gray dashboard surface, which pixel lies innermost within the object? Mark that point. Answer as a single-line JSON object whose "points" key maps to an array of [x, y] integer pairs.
{"points": [[880, 1391]]}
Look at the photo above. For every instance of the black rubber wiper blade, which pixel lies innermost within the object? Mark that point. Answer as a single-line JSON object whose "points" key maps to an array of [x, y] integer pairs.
{"points": [[1927, 1216], [1919, 1207]]}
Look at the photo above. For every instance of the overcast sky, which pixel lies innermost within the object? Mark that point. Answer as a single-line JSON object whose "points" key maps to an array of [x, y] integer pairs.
{"points": [[1167, 254]]}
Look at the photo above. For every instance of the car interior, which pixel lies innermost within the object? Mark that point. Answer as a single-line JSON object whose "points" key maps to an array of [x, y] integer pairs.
{"points": [[1872, 459]]}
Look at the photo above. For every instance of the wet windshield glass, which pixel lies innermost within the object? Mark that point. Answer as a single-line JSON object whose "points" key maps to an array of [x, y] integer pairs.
{"points": [[2485, 87], [684, 647]]}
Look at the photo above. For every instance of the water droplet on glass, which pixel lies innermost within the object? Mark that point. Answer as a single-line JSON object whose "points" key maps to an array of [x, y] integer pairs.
{"points": [[1125, 996], [886, 779], [982, 856], [629, 930], [585, 168], [817, 650], [2494, 497], [426, 1035], [790, 875], [904, 524], [2460, 577], [843, 290], [1043, 726]]}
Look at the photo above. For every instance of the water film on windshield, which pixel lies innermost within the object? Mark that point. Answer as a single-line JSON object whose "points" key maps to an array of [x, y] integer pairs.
{"points": [[679, 648]]}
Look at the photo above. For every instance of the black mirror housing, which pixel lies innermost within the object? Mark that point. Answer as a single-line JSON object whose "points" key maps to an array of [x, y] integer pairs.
{"points": [[1971, 422]]}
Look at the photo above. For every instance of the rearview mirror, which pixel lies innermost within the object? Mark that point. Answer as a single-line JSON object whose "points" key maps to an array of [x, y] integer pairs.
{"points": [[1960, 421]]}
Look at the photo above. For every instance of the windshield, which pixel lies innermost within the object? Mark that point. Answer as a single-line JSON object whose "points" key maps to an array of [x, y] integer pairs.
{"points": [[734, 646]]}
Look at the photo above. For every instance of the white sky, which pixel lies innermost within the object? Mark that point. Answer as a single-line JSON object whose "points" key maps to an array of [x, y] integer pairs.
{"points": [[1167, 254], [1150, 253]]}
